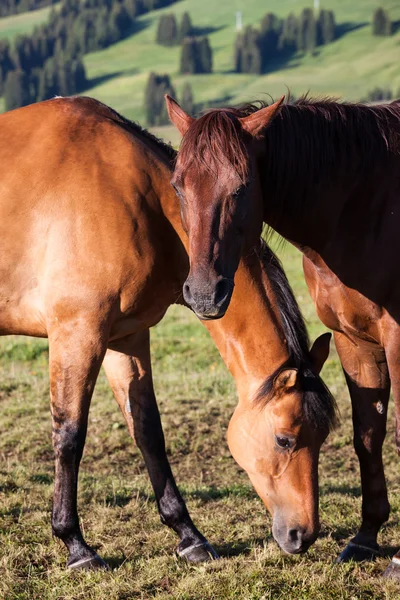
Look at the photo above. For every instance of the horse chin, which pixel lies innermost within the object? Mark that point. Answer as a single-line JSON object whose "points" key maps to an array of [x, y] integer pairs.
{"points": [[210, 316]]}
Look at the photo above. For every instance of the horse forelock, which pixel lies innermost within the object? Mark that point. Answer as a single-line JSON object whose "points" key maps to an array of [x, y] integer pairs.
{"points": [[213, 140]]}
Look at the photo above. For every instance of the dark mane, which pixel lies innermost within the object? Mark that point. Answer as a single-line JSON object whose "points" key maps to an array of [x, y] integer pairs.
{"points": [[308, 142], [318, 403], [315, 142]]}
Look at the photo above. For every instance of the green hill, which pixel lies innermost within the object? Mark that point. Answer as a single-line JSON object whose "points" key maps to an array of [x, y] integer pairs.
{"points": [[348, 68]]}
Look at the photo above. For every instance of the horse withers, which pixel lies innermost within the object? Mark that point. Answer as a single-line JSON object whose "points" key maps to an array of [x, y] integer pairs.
{"points": [[325, 175], [92, 253]]}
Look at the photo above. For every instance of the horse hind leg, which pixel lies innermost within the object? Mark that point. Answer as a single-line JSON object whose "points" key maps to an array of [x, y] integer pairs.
{"points": [[369, 386], [75, 360], [393, 357], [129, 374]]}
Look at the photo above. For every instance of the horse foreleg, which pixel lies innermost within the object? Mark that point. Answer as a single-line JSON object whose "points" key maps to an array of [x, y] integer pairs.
{"points": [[75, 360], [368, 381], [129, 374]]}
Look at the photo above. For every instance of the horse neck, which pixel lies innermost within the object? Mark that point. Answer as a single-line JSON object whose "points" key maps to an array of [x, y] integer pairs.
{"points": [[250, 337], [314, 161]]}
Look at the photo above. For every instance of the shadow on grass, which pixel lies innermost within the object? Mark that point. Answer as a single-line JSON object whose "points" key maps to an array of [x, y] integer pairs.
{"points": [[104, 78], [239, 548], [344, 28], [199, 31], [210, 494], [395, 26], [346, 490], [115, 562]]}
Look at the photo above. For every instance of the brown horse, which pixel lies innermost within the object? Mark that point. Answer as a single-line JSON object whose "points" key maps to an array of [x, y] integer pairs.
{"points": [[92, 253], [326, 176]]}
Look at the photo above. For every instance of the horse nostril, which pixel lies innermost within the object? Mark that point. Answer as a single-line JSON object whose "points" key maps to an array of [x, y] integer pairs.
{"points": [[295, 536], [187, 294], [221, 290]]}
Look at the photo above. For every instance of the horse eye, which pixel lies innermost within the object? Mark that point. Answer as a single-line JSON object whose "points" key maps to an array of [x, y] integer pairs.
{"points": [[283, 442], [178, 192], [237, 191]]}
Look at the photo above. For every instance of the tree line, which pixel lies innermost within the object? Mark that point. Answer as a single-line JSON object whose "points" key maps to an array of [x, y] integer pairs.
{"points": [[257, 49], [12, 7], [49, 61]]}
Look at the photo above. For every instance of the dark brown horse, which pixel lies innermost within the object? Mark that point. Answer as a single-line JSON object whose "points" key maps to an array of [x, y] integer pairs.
{"points": [[326, 176], [92, 253]]}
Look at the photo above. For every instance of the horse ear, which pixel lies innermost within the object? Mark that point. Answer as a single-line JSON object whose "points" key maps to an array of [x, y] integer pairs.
{"points": [[177, 115], [285, 380], [257, 121], [320, 351]]}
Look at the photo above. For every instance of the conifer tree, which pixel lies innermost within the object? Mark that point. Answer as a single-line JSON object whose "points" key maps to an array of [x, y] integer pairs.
{"points": [[381, 23], [187, 101], [185, 28], [16, 89]]}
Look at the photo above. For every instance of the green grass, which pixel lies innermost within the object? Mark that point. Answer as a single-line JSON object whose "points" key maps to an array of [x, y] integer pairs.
{"points": [[23, 23], [196, 397]]}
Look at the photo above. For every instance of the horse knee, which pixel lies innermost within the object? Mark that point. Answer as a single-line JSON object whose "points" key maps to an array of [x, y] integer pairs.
{"points": [[68, 441]]}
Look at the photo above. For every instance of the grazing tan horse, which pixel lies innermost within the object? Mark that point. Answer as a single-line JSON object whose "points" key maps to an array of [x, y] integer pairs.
{"points": [[326, 176], [92, 253]]}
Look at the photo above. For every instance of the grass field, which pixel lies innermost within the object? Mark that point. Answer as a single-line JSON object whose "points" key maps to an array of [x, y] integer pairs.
{"points": [[196, 397]]}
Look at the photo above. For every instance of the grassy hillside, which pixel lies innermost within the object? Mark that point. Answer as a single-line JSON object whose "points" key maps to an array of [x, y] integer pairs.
{"points": [[22, 23], [348, 68]]}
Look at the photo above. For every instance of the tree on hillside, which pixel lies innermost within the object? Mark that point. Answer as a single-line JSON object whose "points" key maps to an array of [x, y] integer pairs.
{"points": [[248, 58], [185, 28], [326, 27], [204, 56], [167, 31], [381, 23], [196, 56], [188, 56], [187, 101], [288, 38], [154, 104], [16, 90], [307, 31]]}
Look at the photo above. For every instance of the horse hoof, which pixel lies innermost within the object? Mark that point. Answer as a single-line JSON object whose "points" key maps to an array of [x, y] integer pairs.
{"points": [[87, 563], [198, 553], [393, 570], [358, 553]]}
